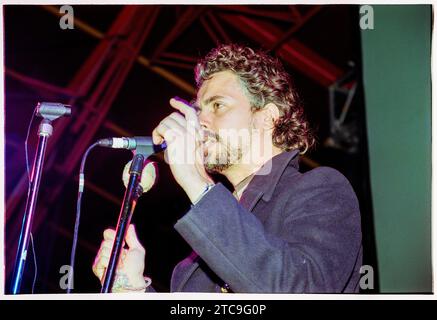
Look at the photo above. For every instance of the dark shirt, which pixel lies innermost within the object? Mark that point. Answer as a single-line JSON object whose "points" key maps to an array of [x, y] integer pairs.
{"points": [[291, 232]]}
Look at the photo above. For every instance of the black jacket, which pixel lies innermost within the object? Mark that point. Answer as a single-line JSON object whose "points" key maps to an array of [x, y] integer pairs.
{"points": [[290, 233]]}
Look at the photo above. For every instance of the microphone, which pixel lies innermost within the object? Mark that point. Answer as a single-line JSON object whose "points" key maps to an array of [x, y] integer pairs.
{"points": [[52, 110], [131, 143]]}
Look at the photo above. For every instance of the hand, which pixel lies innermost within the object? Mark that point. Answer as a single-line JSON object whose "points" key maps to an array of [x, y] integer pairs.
{"points": [[182, 133], [129, 273]]}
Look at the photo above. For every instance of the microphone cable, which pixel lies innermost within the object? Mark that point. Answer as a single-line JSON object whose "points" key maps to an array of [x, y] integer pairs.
{"points": [[78, 207], [26, 152]]}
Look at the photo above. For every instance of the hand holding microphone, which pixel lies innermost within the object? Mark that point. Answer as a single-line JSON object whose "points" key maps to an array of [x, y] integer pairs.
{"points": [[180, 135], [181, 132]]}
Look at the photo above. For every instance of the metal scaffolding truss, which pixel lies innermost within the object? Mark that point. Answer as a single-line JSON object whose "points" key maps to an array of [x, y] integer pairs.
{"points": [[97, 83]]}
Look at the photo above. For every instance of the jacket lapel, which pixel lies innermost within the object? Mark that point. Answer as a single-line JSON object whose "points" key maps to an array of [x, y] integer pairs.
{"points": [[263, 185]]}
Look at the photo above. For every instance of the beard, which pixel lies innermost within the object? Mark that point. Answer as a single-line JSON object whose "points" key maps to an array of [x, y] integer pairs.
{"points": [[223, 155]]}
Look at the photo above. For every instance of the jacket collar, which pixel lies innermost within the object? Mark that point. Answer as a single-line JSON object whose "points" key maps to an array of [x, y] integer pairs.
{"points": [[263, 185]]}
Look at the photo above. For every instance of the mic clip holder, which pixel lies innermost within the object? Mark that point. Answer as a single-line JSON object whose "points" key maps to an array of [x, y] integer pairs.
{"points": [[52, 110], [131, 195]]}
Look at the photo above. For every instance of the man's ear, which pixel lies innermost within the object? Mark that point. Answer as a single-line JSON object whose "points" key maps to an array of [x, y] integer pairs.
{"points": [[270, 114], [266, 116]]}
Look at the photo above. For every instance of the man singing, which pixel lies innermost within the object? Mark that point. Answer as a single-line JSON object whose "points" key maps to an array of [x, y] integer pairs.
{"points": [[280, 231]]}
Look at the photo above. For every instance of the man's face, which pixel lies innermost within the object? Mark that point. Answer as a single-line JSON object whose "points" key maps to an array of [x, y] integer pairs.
{"points": [[225, 114]]}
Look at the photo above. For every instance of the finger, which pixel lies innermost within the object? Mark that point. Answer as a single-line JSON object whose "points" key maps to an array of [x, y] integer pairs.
{"points": [[105, 252], [179, 118], [122, 259], [107, 245], [192, 120], [101, 263], [100, 266], [109, 234], [174, 122], [132, 239], [156, 137], [158, 134], [110, 239], [191, 127], [185, 108], [166, 130]]}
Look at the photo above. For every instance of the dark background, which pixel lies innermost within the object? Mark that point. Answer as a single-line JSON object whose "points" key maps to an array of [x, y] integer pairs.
{"points": [[37, 48]]}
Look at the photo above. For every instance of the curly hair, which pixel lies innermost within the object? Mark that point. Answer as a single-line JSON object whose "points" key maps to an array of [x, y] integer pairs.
{"points": [[264, 81]]}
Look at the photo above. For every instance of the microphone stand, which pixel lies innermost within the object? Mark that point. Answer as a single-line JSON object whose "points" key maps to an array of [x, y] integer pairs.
{"points": [[49, 112], [131, 195]]}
